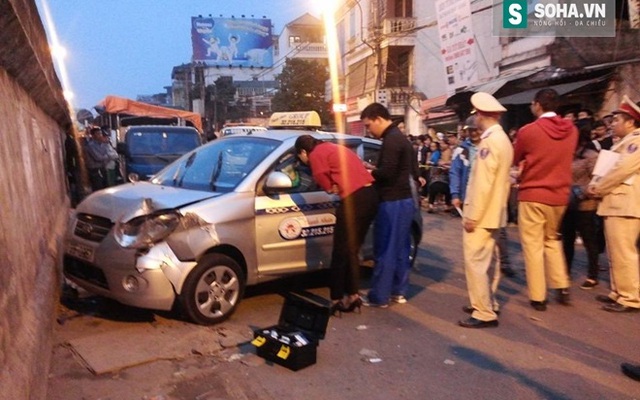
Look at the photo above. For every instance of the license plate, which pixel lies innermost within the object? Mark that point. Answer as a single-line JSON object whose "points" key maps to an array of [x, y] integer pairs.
{"points": [[80, 251]]}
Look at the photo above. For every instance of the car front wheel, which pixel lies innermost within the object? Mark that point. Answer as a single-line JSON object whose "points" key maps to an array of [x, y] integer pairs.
{"points": [[212, 290]]}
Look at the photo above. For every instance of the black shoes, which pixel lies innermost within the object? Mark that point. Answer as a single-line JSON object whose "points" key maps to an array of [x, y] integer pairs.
{"points": [[562, 296], [355, 304], [613, 306], [470, 310], [476, 323], [336, 309], [539, 305], [605, 299], [619, 308], [630, 370], [589, 284], [339, 307]]}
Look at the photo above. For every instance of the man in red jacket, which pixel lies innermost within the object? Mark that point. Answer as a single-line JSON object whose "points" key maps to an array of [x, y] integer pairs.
{"points": [[544, 151]]}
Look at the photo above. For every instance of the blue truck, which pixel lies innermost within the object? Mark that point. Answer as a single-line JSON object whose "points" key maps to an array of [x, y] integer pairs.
{"points": [[146, 149]]}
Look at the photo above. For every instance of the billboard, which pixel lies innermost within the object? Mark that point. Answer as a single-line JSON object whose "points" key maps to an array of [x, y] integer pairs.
{"points": [[237, 42], [457, 43]]}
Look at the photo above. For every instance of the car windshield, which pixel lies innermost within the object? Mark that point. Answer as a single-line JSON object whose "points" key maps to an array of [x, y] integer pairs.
{"points": [[161, 142], [218, 166]]}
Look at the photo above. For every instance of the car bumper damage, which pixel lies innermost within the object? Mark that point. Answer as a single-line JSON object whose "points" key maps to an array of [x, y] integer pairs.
{"points": [[146, 278]]}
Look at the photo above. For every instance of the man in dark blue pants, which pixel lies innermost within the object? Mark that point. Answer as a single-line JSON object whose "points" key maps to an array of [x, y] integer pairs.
{"points": [[395, 173]]}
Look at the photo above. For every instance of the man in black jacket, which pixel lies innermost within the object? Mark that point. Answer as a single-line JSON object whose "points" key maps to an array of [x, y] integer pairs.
{"points": [[395, 173]]}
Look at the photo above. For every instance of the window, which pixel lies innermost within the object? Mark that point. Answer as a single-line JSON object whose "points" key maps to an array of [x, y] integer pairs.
{"points": [[218, 167], [352, 23], [403, 8], [300, 174], [294, 40], [371, 153]]}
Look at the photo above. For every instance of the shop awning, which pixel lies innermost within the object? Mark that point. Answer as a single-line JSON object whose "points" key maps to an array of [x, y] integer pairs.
{"points": [[497, 83], [121, 105], [435, 108], [491, 87], [526, 96]]}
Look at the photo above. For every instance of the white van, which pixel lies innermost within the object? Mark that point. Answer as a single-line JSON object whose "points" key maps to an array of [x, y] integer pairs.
{"points": [[241, 129]]}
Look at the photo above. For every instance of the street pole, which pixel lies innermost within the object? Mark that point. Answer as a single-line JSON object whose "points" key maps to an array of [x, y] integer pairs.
{"points": [[215, 107]]}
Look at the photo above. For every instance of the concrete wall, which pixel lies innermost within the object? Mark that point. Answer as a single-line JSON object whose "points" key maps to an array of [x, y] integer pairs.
{"points": [[33, 202]]}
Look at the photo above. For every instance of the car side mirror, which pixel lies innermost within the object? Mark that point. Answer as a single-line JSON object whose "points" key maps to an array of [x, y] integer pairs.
{"points": [[278, 181], [133, 177]]}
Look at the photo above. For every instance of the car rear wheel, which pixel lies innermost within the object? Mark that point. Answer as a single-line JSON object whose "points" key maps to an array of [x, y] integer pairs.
{"points": [[212, 290]]}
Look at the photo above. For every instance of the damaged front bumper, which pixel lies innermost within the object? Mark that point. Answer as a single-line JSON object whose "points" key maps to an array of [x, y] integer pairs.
{"points": [[148, 279]]}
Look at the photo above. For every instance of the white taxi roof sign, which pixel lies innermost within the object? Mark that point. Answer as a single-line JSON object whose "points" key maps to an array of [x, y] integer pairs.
{"points": [[307, 119]]}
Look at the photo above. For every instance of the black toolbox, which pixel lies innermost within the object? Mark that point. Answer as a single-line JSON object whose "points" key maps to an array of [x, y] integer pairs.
{"points": [[293, 343]]}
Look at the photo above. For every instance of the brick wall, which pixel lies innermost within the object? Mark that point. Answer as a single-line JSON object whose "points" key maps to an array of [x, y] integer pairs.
{"points": [[33, 200]]}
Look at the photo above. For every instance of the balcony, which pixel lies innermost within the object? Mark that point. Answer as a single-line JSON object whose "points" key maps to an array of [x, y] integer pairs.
{"points": [[398, 32], [398, 26], [395, 99]]}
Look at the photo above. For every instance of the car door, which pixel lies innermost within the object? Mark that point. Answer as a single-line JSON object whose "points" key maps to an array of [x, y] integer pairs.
{"points": [[294, 227]]}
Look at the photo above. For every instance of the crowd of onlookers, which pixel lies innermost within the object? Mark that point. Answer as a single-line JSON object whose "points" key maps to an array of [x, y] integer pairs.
{"points": [[573, 174], [444, 159]]}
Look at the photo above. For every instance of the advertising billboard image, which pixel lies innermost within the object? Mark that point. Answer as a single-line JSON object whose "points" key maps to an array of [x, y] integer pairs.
{"points": [[236, 42]]}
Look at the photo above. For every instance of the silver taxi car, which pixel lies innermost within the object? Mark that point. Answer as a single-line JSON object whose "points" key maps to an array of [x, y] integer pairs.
{"points": [[235, 212]]}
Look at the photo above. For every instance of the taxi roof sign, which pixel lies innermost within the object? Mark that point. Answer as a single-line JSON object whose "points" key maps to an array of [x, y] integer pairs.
{"points": [[295, 119]]}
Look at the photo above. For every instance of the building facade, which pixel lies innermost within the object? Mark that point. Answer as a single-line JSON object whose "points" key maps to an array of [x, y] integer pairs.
{"points": [[394, 52]]}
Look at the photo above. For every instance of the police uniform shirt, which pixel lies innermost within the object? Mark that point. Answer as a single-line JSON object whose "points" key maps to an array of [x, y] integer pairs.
{"points": [[619, 198], [488, 188]]}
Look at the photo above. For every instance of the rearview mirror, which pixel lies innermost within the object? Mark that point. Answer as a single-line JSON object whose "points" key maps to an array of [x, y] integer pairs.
{"points": [[278, 180]]}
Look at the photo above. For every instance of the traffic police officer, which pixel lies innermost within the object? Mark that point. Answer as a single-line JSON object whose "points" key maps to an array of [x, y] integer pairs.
{"points": [[485, 211], [620, 192]]}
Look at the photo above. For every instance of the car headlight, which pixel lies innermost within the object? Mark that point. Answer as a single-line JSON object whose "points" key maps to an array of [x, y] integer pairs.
{"points": [[143, 231]]}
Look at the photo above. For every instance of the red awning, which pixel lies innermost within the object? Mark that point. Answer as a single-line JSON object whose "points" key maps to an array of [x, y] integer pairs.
{"points": [[434, 103], [121, 105]]}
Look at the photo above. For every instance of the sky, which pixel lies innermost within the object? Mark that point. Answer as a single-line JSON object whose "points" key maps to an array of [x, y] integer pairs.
{"points": [[129, 47]]}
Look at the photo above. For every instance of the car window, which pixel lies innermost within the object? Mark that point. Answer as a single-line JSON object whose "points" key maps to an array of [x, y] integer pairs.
{"points": [[300, 174], [153, 143], [219, 166], [371, 153]]}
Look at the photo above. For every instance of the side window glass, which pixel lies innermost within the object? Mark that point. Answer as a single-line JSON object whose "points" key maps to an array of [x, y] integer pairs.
{"points": [[371, 154], [299, 173]]}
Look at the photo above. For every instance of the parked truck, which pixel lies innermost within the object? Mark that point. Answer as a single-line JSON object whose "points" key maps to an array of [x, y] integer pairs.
{"points": [[146, 149], [149, 137]]}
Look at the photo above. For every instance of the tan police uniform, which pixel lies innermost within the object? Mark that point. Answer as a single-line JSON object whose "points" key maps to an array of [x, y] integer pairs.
{"points": [[486, 203], [620, 208]]}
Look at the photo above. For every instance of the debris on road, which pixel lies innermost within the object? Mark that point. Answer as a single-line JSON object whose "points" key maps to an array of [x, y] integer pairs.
{"points": [[370, 356]]}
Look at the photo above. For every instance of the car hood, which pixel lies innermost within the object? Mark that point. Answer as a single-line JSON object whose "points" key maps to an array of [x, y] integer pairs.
{"points": [[124, 202]]}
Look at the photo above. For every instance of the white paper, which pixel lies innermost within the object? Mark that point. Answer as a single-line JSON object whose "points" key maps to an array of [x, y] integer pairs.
{"points": [[607, 159]]}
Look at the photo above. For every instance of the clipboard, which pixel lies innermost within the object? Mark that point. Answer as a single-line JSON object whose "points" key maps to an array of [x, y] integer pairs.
{"points": [[608, 159]]}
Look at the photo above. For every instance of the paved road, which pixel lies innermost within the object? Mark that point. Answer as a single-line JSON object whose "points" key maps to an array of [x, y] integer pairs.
{"points": [[569, 352]]}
